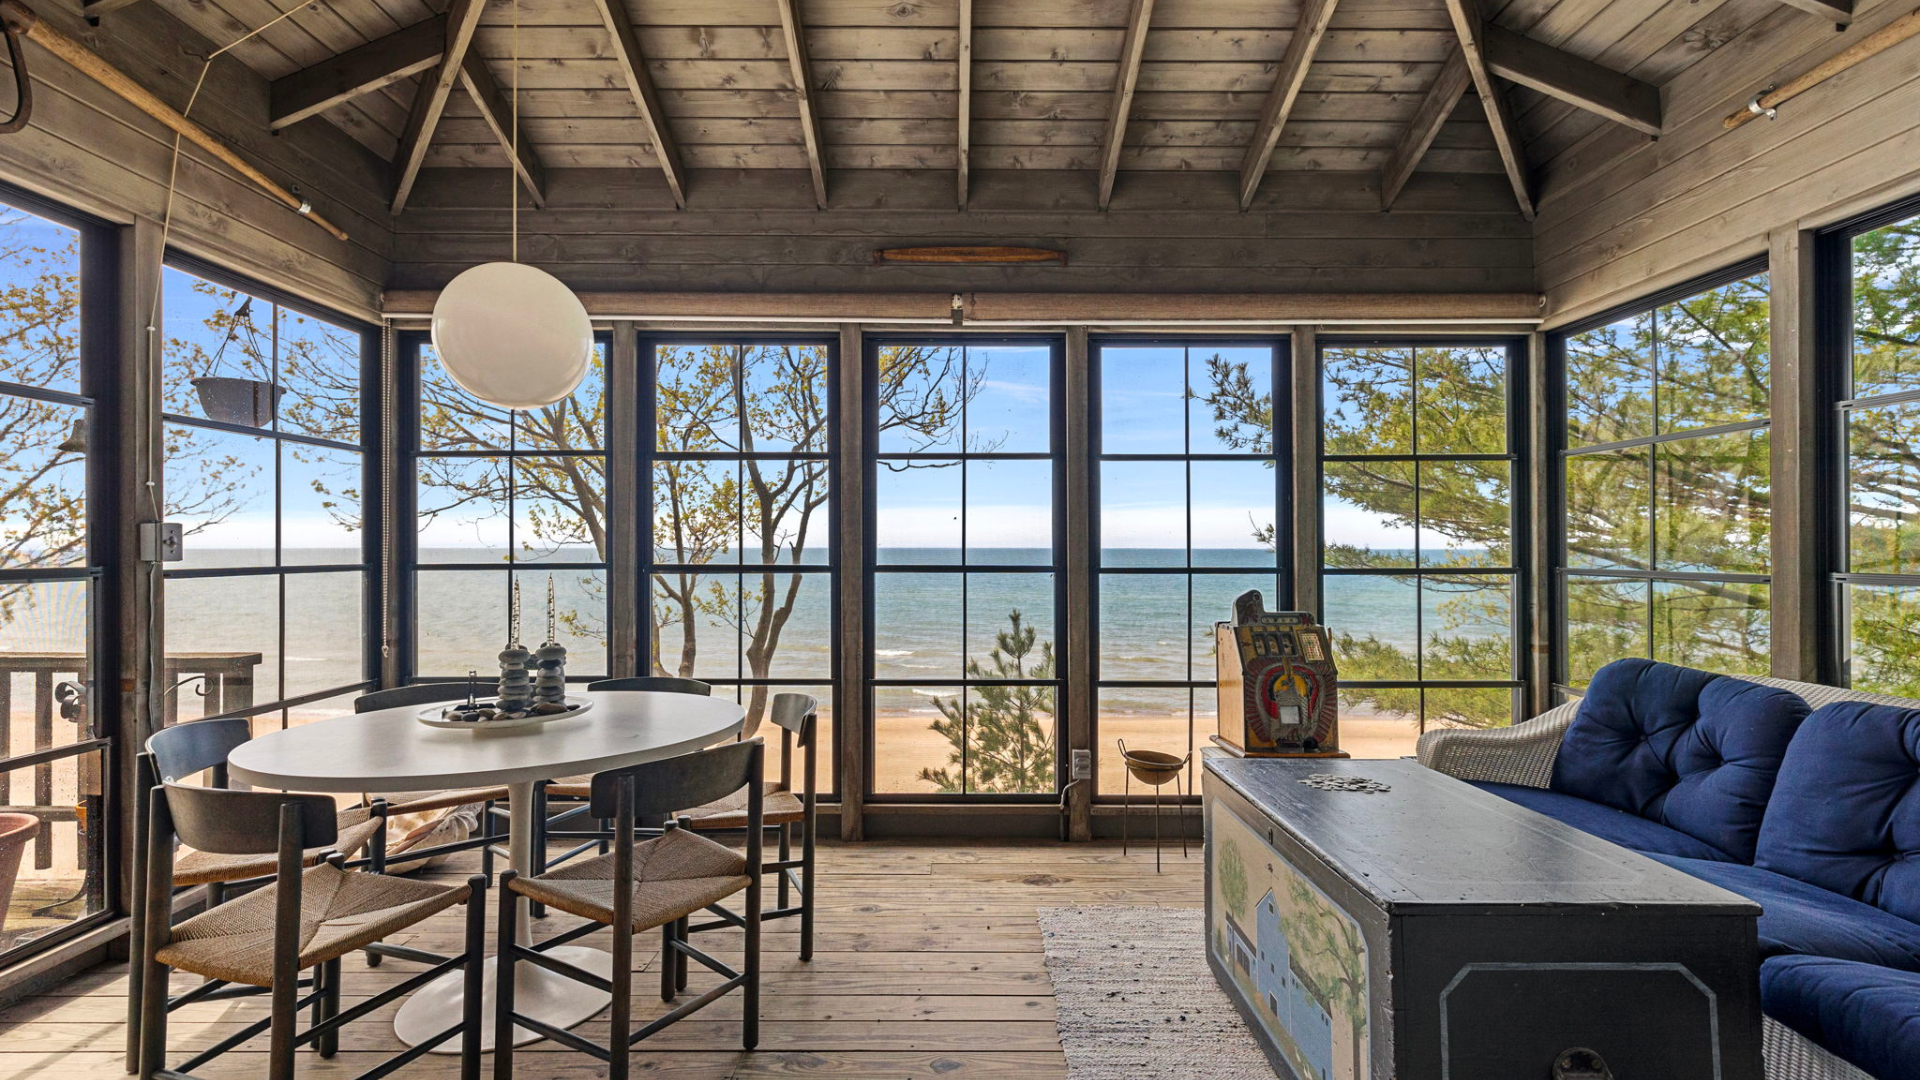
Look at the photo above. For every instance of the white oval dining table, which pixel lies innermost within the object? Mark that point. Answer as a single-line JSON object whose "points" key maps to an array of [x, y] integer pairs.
{"points": [[389, 750]]}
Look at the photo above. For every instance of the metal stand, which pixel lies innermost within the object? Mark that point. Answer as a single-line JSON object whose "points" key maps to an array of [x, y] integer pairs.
{"points": [[1154, 769]]}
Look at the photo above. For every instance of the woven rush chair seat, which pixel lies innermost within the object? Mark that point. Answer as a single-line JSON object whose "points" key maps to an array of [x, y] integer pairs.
{"points": [[571, 787], [673, 876], [340, 911], [190, 867], [419, 802], [783, 807]]}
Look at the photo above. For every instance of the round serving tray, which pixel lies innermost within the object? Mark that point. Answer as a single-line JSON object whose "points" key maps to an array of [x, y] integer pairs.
{"points": [[431, 717]]}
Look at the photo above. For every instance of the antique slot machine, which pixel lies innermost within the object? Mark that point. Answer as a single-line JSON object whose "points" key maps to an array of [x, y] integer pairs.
{"points": [[1277, 683]]}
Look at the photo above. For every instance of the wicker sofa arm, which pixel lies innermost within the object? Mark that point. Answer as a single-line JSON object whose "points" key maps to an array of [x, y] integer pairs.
{"points": [[1522, 754]]}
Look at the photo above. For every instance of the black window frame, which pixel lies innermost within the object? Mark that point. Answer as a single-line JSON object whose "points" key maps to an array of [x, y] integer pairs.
{"points": [[1519, 486], [1280, 439], [1833, 326], [410, 362], [1554, 603], [871, 456], [373, 524], [646, 455], [101, 252]]}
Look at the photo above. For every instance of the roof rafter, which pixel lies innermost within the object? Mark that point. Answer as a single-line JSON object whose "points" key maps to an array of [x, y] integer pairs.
{"points": [[361, 70], [1442, 98], [963, 56], [1577, 81], [431, 102], [497, 111], [1126, 80], [796, 37], [1467, 24], [1314, 17], [633, 65], [1840, 11]]}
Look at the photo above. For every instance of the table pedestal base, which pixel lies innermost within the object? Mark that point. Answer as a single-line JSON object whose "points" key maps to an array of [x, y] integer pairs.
{"points": [[537, 992]]}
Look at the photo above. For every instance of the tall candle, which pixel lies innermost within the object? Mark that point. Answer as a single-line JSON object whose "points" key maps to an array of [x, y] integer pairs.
{"points": [[550, 636], [513, 618]]}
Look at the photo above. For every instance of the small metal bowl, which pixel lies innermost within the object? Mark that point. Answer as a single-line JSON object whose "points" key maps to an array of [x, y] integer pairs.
{"points": [[1151, 767]]}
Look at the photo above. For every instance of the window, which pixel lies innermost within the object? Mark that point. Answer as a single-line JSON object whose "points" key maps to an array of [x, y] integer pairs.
{"points": [[1879, 425], [266, 469], [1666, 484], [1418, 561], [55, 763], [508, 504], [1189, 515], [967, 588], [740, 576]]}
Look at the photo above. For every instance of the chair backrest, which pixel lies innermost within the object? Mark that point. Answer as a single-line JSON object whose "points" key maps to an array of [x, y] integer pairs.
{"points": [[197, 745], [225, 822], [400, 696], [672, 784], [797, 713], [660, 684]]}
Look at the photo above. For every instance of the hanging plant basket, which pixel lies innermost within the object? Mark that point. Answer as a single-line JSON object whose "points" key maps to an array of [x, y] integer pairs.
{"points": [[248, 402]]}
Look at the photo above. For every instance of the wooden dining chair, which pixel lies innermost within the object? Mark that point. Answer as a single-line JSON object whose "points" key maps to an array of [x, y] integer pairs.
{"points": [[786, 807], [638, 886], [420, 802], [307, 919], [575, 790]]}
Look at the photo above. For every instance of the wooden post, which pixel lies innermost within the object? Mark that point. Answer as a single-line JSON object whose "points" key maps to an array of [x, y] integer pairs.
{"points": [[852, 717], [393, 617], [140, 678], [1305, 433], [1541, 525], [1081, 703], [1797, 521], [625, 428]]}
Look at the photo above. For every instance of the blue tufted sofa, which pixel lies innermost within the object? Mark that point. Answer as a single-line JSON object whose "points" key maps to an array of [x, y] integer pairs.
{"points": [[1803, 798]]}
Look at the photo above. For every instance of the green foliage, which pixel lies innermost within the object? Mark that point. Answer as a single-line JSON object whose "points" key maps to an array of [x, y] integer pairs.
{"points": [[1001, 736], [1232, 871], [1330, 958]]}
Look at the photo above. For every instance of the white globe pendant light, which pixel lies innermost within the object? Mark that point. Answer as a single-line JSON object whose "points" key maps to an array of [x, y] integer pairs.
{"points": [[512, 335]]}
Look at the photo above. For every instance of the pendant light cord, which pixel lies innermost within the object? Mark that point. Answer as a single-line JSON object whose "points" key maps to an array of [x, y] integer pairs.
{"points": [[513, 166]]}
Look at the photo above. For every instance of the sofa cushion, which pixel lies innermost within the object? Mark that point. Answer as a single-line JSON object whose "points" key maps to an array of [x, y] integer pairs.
{"points": [[1694, 751], [1798, 919], [1866, 1015], [1846, 811], [1605, 822]]}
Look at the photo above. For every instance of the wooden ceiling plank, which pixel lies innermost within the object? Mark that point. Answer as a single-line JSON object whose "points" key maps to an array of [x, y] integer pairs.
{"points": [[963, 58], [1127, 80], [1506, 138], [1572, 79], [377, 64], [431, 101], [1425, 126], [796, 39], [1314, 17], [497, 113], [633, 65]]}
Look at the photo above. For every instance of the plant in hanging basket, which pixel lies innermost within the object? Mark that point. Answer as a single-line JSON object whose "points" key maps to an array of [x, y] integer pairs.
{"points": [[228, 400]]}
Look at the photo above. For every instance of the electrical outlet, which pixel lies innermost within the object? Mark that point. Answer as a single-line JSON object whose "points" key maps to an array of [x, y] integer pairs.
{"points": [[161, 541], [1083, 765]]}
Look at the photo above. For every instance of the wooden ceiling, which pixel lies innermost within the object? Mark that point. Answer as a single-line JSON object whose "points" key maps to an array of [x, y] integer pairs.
{"points": [[1106, 86]]}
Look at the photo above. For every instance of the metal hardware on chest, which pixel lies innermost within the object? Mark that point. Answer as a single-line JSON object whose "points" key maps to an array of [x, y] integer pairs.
{"points": [[1580, 1063]]}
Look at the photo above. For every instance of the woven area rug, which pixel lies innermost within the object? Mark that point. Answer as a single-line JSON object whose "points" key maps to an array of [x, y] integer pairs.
{"points": [[1136, 1000]]}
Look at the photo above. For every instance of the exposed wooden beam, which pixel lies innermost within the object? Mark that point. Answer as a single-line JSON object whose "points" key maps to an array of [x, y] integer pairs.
{"points": [[1126, 79], [1314, 16], [93, 9], [362, 70], [964, 58], [1577, 81], [633, 65], [431, 102], [1444, 96], [1465, 15], [1840, 11], [497, 111], [796, 36]]}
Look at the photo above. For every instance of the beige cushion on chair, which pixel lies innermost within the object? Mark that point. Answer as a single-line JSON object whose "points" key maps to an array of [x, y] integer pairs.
{"points": [[781, 807], [675, 875], [340, 911], [200, 868]]}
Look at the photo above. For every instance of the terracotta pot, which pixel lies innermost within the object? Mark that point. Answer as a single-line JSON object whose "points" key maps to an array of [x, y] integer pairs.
{"points": [[15, 831], [247, 402]]}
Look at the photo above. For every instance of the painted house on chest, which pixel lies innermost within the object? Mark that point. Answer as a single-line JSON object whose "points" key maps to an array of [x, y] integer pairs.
{"points": [[1266, 960]]}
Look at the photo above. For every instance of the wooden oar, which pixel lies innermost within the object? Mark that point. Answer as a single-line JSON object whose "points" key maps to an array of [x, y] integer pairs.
{"points": [[1866, 48]]}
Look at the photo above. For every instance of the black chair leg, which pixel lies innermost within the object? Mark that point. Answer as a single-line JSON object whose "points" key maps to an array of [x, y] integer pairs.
{"points": [[152, 1031], [806, 896], [473, 986], [503, 980], [136, 955], [283, 1027], [679, 958], [786, 853], [486, 838], [620, 1014], [326, 1005], [667, 965], [535, 909], [750, 991]]}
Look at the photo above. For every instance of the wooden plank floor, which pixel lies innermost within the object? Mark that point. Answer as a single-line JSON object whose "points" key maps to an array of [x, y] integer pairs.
{"points": [[928, 963]]}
